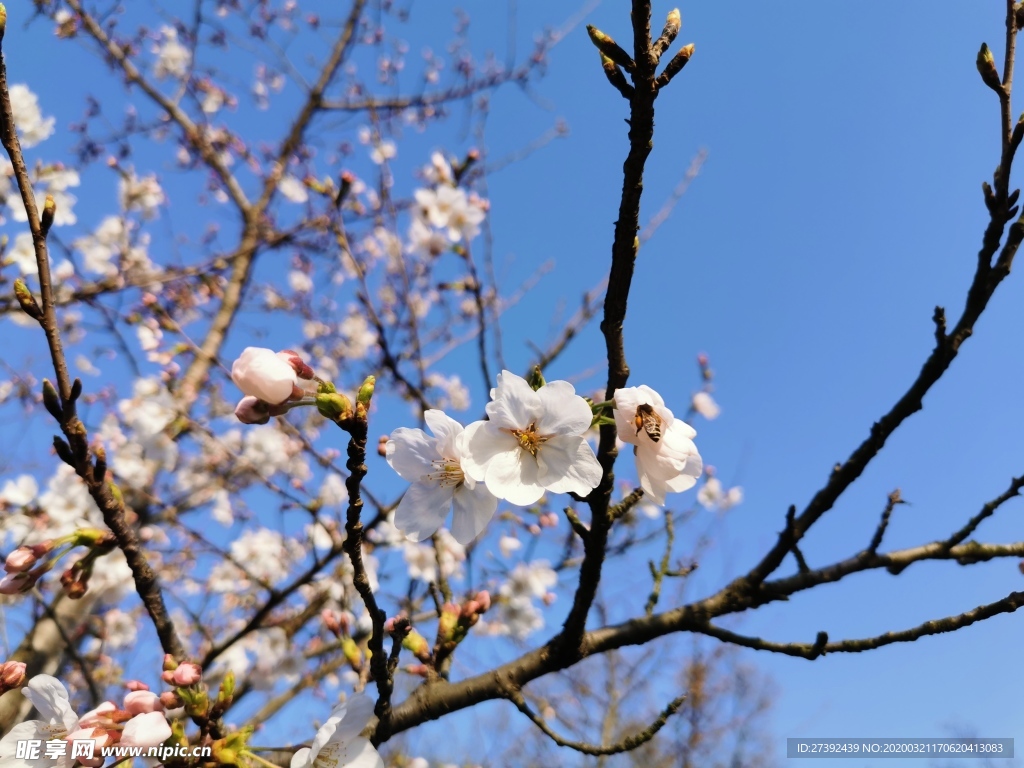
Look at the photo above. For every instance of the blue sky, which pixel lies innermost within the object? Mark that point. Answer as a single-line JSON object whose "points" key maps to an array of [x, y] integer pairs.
{"points": [[840, 202]]}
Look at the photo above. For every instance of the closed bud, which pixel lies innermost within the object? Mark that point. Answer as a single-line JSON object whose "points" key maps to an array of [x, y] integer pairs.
{"points": [[675, 65], [187, 674], [536, 378], [3, 20], [987, 68], [351, 652], [607, 46], [26, 300], [417, 644], [170, 700], [51, 400], [169, 663], [365, 393], [63, 451], [49, 211], [227, 688], [12, 675], [21, 559], [334, 406]]}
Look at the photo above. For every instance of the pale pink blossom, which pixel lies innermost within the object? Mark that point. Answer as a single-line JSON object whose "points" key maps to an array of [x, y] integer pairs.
{"points": [[273, 377], [146, 730]]}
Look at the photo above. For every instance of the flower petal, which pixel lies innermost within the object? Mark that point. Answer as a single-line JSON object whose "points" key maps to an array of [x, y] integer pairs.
{"points": [[360, 753], [357, 715], [512, 475], [446, 431], [50, 698], [9, 744], [423, 509], [301, 758], [567, 465], [563, 412], [514, 405], [479, 444], [411, 453], [474, 508], [146, 730]]}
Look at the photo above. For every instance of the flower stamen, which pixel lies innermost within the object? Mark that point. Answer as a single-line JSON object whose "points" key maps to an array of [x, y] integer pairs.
{"points": [[528, 438], [449, 473]]}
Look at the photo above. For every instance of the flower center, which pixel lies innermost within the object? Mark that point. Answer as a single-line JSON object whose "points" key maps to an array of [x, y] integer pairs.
{"points": [[529, 439], [448, 473]]}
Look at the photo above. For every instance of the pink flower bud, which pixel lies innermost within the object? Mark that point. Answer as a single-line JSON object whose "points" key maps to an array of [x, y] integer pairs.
{"points": [[16, 583], [389, 625], [146, 730], [136, 685], [167, 676], [264, 374], [549, 598], [187, 674], [420, 670], [12, 675], [483, 597], [169, 663], [330, 620], [252, 410], [138, 702], [534, 529], [702, 360], [548, 520], [21, 559], [170, 700]]}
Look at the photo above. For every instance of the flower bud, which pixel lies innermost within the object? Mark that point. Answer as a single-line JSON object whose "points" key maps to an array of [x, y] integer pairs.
{"points": [[49, 212], [302, 370], [330, 621], [267, 375], [136, 685], [12, 675], [170, 700], [187, 674], [21, 559], [334, 406], [365, 393], [448, 620], [987, 68], [252, 410], [27, 300], [417, 644], [170, 664], [16, 583], [483, 598]]}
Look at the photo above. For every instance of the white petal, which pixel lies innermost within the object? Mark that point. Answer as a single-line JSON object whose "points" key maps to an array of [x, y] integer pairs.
{"points": [[567, 465], [515, 404], [512, 475], [358, 711], [479, 444], [563, 412], [446, 431], [474, 508], [423, 509], [9, 744], [411, 453], [50, 698], [301, 758]]}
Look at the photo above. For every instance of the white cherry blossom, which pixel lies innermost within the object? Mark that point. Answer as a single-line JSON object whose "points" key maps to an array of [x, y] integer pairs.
{"points": [[173, 58], [56, 720], [704, 404], [338, 744], [533, 442], [32, 126], [434, 467], [667, 464]]}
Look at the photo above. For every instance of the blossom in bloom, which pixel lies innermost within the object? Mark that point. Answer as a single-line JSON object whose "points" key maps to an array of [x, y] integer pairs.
{"points": [[32, 126], [144, 195], [533, 442], [705, 405], [666, 458], [293, 189], [173, 58], [713, 496], [383, 151], [338, 744], [434, 467], [23, 253], [273, 377], [50, 700]]}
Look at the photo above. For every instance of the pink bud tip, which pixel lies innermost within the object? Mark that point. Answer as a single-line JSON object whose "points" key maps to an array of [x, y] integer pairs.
{"points": [[140, 702], [187, 674], [136, 685], [534, 529], [21, 559], [170, 700], [12, 675], [484, 599]]}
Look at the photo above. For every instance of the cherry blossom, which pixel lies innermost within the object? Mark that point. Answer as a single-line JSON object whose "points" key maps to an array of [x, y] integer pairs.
{"points": [[273, 377], [434, 467], [533, 442], [705, 405], [33, 128], [50, 699], [173, 58], [338, 744], [666, 457]]}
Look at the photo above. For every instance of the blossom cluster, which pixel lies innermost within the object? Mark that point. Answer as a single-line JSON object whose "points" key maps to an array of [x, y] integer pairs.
{"points": [[534, 441]]}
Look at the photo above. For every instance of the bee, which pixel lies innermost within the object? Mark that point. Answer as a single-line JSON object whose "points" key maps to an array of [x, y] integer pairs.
{"points": [[649, 421]]}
